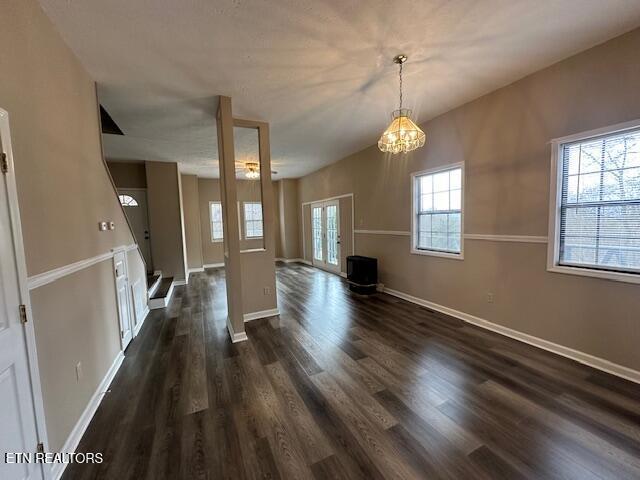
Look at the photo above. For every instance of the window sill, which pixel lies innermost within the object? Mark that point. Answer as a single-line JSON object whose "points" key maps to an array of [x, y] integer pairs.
{"points": [[587, 272], [217, 241], [435, 253]]}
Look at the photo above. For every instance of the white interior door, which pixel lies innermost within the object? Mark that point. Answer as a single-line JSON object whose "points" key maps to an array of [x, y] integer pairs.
{"points": [[17, 418], [134, 201], [325, 231], [123, 297]]}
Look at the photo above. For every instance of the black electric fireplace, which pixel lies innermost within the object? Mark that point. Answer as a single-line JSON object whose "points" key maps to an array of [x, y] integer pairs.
{"points": [[362, 274]]}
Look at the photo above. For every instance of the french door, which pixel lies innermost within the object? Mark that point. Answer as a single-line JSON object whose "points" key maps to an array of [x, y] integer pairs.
{"points": [[325, 231]]}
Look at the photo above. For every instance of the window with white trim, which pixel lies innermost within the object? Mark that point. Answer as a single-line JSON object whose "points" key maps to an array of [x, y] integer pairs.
{"points": [[437, 211], [252, 219], [127, 201], [215, 216], [597, 224]]}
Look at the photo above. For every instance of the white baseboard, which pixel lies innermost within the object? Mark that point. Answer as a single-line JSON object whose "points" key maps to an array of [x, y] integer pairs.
{"points": [[154, 287], [57, 469], [145, 314], [177, 283], [235, 337], [289, 260], [213, 265], [580, 357], [306, 262], [261, 314], [196, 270]]}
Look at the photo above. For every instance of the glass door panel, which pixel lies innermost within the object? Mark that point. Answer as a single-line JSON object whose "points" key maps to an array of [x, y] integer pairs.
{"points": [[317, 234], [332, 234]]}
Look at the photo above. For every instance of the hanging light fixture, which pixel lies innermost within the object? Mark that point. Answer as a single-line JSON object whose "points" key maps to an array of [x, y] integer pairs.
{"points": [[252, 170], [402, 135]]}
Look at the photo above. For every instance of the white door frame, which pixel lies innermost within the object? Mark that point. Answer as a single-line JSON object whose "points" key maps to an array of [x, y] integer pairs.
{"points": [[324, 263], [21, 266], [304, 233]]}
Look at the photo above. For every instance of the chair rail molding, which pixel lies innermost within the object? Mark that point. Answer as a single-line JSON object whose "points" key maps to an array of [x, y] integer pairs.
{"points": [[50, 276]]}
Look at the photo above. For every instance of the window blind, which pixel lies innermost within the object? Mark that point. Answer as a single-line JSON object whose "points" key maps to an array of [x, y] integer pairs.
{"points": [[600, 203]]}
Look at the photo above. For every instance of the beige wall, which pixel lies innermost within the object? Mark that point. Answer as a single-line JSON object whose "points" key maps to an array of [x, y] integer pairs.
{"points": [[128, 174], [503, 138], [288, 218], [64, 191], [208, 191], [76, 322], [191, 206], [279, 226], [165, 222]]}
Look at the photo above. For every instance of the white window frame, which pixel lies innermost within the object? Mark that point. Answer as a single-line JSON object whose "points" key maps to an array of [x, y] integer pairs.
{"points": [[244, 220], [213, 239], [414, 204], [555, 194]]}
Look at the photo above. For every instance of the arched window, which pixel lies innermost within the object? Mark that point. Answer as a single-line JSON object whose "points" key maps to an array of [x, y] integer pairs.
{"points": [[128, 201]]}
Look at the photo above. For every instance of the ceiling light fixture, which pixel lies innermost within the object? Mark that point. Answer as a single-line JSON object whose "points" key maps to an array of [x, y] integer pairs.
{"points": [[402, 135], [252, 170]]}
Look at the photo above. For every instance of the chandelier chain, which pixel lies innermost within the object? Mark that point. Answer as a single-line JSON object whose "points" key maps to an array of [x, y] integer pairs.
{"points": [[400, 86]]}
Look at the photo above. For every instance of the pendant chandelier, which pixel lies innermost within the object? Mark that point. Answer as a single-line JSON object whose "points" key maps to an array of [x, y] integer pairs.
{"points": [[402, 135], [252, 170]]}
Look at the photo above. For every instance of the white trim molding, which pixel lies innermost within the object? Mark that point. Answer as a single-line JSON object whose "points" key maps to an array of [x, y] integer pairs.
{"points": [[156, 284], [23, 286], [177, 283], [261, 314], [145, 314], [580, 357], [289, 260], [50, 276], [384, 232], [213, 265], [57, 469], [555, 201], [506, 238], [353, 221], [235, 337], [413, 249], [196, 270], [156, 303]]}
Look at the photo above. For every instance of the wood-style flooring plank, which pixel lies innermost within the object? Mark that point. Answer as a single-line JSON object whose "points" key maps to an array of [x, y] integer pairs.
{"points": [[340, 386]]}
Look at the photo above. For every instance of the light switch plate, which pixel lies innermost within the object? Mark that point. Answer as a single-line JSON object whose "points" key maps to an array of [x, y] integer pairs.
{"points": [[102, 226], [112, 226]]}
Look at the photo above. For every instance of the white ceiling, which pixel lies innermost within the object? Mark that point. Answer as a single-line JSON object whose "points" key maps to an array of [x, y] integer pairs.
{"points": [[319, 71]]}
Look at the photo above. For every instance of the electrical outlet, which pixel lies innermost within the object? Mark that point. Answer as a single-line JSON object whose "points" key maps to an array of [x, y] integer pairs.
{"points": [[79, 371], [489, 297], [266, 290]]}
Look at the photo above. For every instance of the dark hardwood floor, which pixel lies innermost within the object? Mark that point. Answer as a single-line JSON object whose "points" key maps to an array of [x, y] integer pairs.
{"points": [[341, 386]]}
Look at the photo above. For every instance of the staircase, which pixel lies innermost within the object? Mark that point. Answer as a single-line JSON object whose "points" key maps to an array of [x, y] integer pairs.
{"points": [[160, 290]]}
